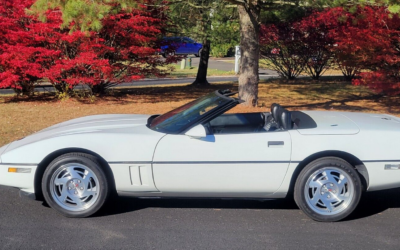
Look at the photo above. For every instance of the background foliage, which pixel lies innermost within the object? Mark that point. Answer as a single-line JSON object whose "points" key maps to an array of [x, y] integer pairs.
{"points": [[364, 43], [124, 49]]}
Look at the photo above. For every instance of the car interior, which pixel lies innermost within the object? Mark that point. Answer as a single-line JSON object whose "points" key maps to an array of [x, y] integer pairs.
{"points": [[278, 119]]}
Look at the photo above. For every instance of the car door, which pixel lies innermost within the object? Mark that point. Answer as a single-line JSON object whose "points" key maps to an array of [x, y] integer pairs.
{"points": [[222, 165], [181, 46], [190, 46]]}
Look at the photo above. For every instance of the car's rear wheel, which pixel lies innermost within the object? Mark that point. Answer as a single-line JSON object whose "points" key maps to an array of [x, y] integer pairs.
{"points": [[75, 185], [328, 189]]}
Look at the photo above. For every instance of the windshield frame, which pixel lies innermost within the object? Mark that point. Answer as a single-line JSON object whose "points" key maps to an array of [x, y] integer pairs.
{"points": [[207, 116]]}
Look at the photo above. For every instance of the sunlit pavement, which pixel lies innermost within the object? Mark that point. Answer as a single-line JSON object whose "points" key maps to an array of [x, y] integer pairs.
{"points": [[129, 223]]}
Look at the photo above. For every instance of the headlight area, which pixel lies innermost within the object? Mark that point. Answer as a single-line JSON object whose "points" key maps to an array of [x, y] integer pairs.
{"points": [[21, 176]]}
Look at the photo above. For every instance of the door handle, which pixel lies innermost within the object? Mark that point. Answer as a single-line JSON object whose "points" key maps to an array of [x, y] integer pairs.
{"points": [[276, 143]]}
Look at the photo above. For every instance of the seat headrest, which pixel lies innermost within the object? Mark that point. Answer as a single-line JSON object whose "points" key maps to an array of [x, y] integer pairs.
{"points": [[286, 119], [274, 111]]}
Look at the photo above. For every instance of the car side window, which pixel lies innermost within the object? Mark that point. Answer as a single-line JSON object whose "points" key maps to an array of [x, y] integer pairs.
{"points": [[239, 123], [187, 40]]}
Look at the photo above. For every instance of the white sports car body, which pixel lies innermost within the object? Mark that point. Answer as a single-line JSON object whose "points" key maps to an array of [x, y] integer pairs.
{"points": [[197, 151]]}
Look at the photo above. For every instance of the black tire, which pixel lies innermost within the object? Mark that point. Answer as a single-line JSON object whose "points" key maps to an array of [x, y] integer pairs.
{"points": [[198, 53], [169, 54], [335, 200], [90, 193]]}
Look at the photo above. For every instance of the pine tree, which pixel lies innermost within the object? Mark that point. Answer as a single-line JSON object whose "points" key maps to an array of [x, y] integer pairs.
{"points": [[85, 15]]}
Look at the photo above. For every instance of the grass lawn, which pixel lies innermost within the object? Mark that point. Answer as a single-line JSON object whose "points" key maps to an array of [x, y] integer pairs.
{"points": [[264, 64], [21, 117], [177, 72], [329, 72]]}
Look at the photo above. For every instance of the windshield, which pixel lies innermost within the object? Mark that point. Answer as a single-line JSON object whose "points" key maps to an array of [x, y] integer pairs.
{"points": [[179, 119], [188, 40]]}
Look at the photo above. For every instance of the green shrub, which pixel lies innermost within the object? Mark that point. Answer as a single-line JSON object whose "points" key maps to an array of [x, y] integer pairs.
{"points": [[221, 50]]}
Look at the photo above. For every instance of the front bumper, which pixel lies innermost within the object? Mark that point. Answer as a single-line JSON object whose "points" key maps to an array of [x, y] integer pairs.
{"points": [[23, 178], [24, 194]]}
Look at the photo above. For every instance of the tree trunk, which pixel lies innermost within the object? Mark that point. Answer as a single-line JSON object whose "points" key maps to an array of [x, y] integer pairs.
{"points": [[201, 78], [250, 52]]}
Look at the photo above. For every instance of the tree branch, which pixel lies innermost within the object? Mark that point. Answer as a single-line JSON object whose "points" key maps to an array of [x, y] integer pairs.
{"points": [[237, 2]]}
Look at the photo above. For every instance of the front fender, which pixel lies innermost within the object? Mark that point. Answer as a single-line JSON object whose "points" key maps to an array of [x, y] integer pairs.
{"points": [[113, 147]]}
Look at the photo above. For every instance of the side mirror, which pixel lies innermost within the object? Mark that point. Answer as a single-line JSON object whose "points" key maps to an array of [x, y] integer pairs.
{"points": [[197, 132]]}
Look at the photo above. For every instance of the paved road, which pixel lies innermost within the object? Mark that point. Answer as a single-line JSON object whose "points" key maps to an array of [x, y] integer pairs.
{"points": [[130, 223], [213, 64], [151, 82]]}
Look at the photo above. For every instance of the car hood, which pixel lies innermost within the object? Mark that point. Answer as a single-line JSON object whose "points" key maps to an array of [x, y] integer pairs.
{"points": [[348, 123], [97, 122], [88, 124]]}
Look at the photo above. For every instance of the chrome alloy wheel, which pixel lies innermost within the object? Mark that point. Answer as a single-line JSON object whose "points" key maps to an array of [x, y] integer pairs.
{"points": [[74, 187], [329, 191]]}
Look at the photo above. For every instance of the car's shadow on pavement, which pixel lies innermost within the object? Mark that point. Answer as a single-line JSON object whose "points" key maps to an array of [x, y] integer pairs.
{"points": [[376, 202], [120, 205], [371, 203]]}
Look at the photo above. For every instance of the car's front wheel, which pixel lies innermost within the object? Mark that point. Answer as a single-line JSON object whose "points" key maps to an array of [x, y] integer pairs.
{"points": [[198, 53], [75, 185], [328, 189]]}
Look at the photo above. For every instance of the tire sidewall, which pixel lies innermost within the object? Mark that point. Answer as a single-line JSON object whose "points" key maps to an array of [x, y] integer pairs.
{"points": [[310, 169], [171, 54], [61, 161]]}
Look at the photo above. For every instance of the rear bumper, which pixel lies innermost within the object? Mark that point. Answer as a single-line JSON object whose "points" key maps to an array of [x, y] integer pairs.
{"points": [[381, 177], [23, 179]]}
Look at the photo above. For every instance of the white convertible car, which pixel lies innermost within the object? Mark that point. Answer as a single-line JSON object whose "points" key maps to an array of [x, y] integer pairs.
{"points": [[324, 159]]}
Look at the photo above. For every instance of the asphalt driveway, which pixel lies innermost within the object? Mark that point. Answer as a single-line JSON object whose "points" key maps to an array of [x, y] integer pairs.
{"points": [[129, 223]]}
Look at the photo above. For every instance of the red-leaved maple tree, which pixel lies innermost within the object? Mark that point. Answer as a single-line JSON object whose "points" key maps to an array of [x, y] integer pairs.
{"points": [[123, 50], [293, 47], [23, 58], [367, 39], [282, 46], [316, 38]]}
